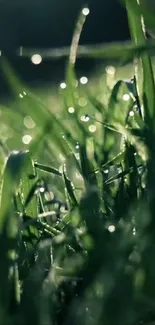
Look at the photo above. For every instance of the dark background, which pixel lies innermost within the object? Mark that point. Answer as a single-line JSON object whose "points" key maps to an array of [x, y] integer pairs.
{"points": [[50, 24]]}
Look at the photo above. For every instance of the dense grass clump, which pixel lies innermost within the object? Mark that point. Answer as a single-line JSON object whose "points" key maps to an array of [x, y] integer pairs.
{"points": [[77, 214]]}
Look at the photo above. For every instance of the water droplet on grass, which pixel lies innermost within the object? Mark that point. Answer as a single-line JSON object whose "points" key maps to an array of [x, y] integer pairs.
{"points": [[83, 80], [110, 70], [63, 85], [36, 59], [111, 228], [26, 139], [86, 11], [126, 97], [42, 190], [92, 128], [86, 118], [131, 113], [71, 110], [28, 122], [82, 101]]}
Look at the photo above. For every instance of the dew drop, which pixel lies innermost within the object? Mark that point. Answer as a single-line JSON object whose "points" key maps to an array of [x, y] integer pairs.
{"points": [[86, 118], [36, 59], [63, 85], [83, 80], [26, 139], [42, 190], [131, 113], [82, 101], [85, 11], [110, 70], [28, 122], [92, 128], [111, 228], [126, 97], [71, 110]]}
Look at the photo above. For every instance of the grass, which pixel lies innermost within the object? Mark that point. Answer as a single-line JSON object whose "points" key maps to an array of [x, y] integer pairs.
{"points": [[77, 208]]}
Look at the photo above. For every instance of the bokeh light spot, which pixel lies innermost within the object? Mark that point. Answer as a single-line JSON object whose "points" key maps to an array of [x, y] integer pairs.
{"points": [[86, 11], [111, 228], [36, 59], [92, 128], [71, 110], [83, 80], [131, 113], [110, 70], [126, 97], [63, 85], [28, 122], [26, 139]]}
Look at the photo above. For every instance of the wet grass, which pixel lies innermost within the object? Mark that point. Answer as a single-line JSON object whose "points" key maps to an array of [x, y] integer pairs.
{"points": [[77, 196]]}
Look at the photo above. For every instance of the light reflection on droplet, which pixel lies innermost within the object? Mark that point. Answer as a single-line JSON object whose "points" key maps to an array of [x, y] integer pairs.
{"points": [[26, 139], [77, 146], [131, 113], [111, 228], [71, 110], [106, 171], [92, 128], [110, 70], [21, 96], [36, 59], [61, 157], [126, 97], [82, 118], [15, 152], [86, 11], [83, 80], [82, 101], [42, 190], [28, 122], [77, 156], [61, 169], [134, 231], [63, 85], [24, 92], [86, 118], [135, 107]]}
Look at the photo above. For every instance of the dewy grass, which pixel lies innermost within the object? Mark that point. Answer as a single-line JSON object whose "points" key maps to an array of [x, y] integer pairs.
{"points": [[77, 230]]}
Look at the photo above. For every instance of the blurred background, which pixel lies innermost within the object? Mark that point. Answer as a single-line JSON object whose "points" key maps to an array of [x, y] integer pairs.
{"points": [[50, 24]]}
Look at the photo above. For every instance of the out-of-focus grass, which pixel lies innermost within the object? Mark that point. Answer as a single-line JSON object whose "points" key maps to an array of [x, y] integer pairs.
{"points": [[77, 208]]}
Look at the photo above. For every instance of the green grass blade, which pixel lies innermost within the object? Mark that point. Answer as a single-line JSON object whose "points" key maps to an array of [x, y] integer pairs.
{"points": [[137, 30], [69, 191], [48, 169]]}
